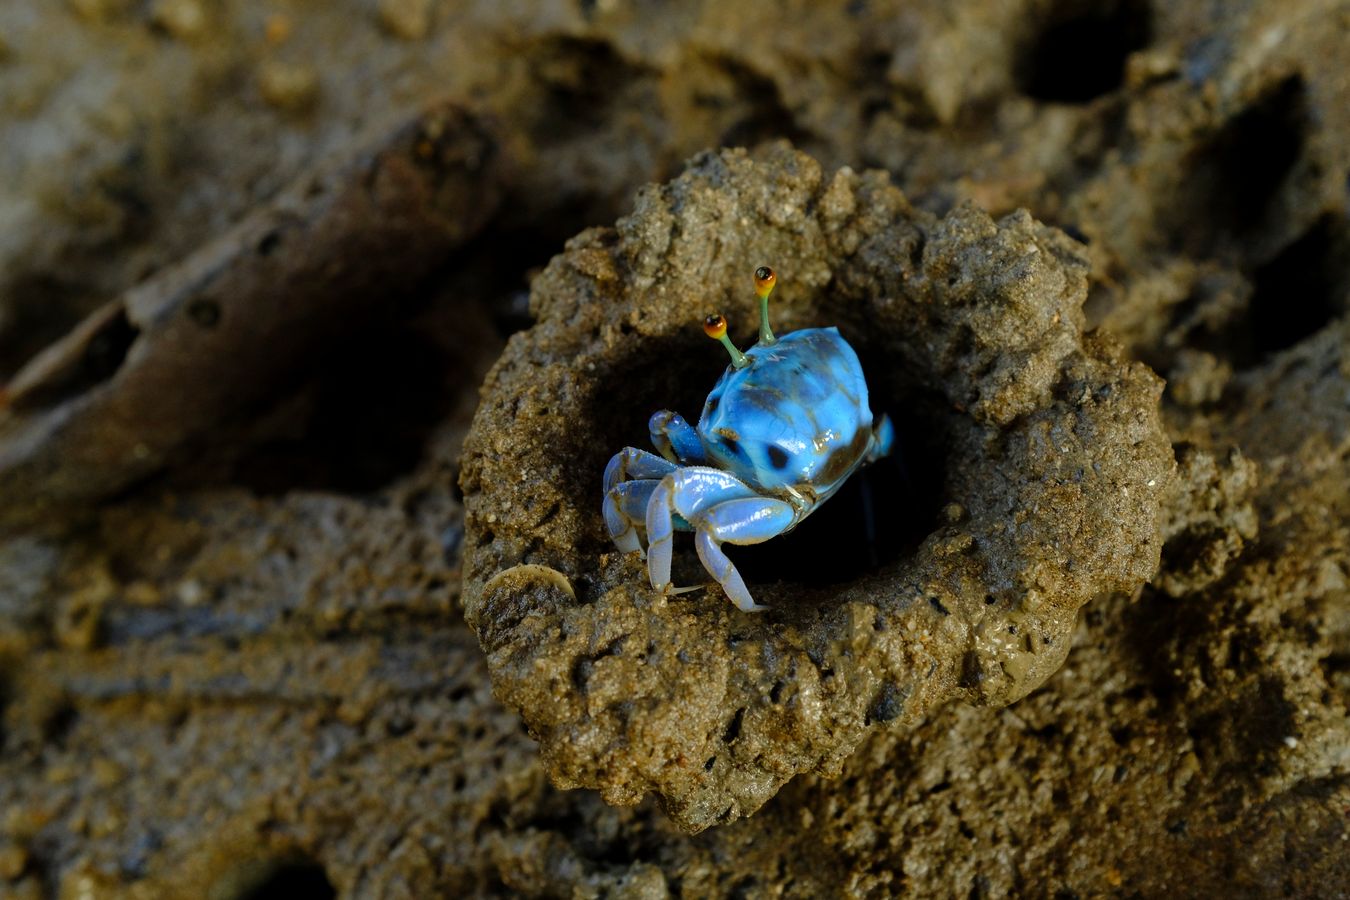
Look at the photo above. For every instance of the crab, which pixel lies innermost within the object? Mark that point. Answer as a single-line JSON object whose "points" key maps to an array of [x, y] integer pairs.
{"points": [[782, 429]]}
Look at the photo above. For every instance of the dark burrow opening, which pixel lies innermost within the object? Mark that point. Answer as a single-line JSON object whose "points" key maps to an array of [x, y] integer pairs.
{"points": [[745, 102], [1238, 174], [1298, 292], [881, 514], [361, 421], [363, 413], [1293, 295], [298, 879], [1079, 53]]}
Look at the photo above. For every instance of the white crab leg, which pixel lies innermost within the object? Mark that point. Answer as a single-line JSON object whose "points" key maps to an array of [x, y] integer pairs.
{"points": [[686, 491], [626, 508], [751, 520]]}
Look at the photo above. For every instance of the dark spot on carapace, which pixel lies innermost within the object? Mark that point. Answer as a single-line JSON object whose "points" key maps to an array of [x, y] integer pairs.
{"points": [[777, 458], [731, 442], [713, 404]]}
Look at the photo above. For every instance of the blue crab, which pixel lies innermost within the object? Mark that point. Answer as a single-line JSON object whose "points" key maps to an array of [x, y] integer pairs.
{"points": [[783, 428]]}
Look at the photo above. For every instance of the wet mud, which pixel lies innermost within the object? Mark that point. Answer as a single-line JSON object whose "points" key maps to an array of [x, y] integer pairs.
{"points": [[304, 588]]}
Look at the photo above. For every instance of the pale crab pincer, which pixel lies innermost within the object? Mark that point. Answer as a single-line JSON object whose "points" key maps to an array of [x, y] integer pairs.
{"points": [[784, 427]]}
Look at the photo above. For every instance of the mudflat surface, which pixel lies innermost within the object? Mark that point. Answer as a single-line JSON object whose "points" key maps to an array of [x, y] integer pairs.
{"points": [[234, 655]]}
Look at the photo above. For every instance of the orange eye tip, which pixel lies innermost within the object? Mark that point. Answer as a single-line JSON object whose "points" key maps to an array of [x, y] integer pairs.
{"points": [[764, 279], [715, 326]]}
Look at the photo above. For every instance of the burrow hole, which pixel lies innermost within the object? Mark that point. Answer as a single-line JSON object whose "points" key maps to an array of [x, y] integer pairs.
{"points": [[1079, 52], [1239, 173], [1293, 295], [1299, 291], [881, 514], [299, 879]]}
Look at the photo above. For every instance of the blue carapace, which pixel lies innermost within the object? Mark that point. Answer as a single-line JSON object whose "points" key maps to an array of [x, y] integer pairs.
{"points": [[783, 428]]}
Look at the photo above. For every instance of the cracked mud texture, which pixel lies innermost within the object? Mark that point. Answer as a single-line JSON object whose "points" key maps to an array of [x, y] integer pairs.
{"points": [[1053, 471], [247, 673]]}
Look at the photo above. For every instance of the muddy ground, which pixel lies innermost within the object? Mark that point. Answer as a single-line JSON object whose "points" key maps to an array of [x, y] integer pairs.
{"points": [[256, 261]]}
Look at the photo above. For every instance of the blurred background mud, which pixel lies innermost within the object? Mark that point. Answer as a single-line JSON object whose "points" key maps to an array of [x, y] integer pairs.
{"points": [[255, 259]]}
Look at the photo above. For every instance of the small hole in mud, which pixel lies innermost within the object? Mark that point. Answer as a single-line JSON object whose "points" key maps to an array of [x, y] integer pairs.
{"points": [[1080, 52], [369, 411], [269, 243], [59, 724], [205, 313], [1296, 293], [1237, 175], [581, 673], [296, 880], [734, 727]]}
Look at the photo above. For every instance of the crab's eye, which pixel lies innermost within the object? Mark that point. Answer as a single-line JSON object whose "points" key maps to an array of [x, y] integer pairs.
{"points": [[716, 328], [764, 280]]}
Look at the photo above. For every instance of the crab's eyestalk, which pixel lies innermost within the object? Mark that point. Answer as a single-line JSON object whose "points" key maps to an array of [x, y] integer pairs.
{"points": [[716, 328], [765, 279]]}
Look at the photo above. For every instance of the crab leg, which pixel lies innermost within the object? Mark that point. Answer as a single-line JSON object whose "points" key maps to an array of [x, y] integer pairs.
{"points": [[883, 438], [686, 492], [745, 521], [630, 462], [626, 508], [675, 438]]}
